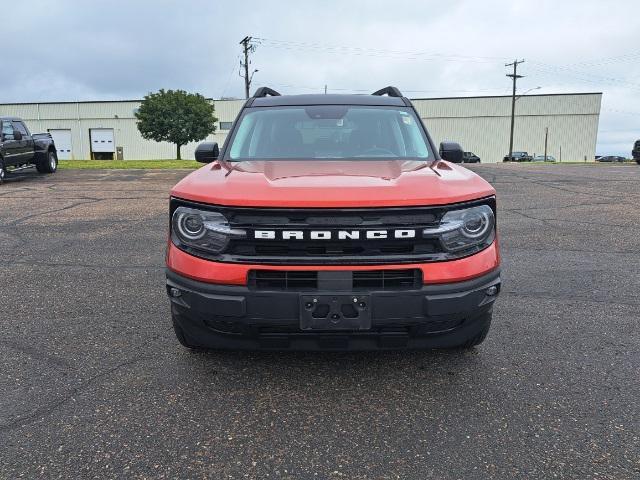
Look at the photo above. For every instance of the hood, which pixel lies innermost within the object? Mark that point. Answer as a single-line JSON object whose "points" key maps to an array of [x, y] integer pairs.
{"points": [[331, 183]]}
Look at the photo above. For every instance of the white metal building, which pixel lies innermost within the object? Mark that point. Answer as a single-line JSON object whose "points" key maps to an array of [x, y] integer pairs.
{"points": [[107, 129]]}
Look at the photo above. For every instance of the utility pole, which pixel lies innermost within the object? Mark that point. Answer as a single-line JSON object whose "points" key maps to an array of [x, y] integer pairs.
{"points": [[514, 76], [247, 48], [546, 138]]}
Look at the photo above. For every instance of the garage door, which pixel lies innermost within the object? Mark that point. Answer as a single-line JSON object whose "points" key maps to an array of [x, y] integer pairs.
{"points": [[62, 139], [102, 140]]}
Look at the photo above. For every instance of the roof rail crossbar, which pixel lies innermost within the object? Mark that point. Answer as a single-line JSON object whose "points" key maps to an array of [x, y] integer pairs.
{"points": [[391, 91], [264, 91]]}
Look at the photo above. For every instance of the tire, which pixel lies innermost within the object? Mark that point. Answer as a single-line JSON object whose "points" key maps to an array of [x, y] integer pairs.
{"points": [[3, 172], [480, 336], [49, 164]]}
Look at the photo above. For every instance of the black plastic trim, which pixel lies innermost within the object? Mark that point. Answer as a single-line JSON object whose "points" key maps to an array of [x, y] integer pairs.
{"points": [[264, 91], [391, 91], [225, 316]]}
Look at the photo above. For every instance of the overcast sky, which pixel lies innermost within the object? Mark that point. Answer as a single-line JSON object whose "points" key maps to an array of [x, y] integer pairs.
{"points": [[115, 49]]}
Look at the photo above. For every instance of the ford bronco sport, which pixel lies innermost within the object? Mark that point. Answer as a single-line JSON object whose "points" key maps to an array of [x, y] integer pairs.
{"points": [[330, 222]]}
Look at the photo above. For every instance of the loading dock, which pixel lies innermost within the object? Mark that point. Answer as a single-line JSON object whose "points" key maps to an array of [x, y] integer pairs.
{"points": [[102, 143], [62, 139]]}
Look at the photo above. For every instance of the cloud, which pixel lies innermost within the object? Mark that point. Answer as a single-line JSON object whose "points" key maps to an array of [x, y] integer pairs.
{"points": [[79, 50]]}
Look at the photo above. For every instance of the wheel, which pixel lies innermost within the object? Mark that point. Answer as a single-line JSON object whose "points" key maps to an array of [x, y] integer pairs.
{"points": [[49, 164], [3, 172], [480, 336]]}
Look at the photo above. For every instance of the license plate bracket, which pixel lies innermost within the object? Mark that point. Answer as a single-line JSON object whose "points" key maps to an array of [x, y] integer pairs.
{"points": [[335, 312]]}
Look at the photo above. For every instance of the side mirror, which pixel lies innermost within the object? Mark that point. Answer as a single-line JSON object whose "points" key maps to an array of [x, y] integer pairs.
{"points": [[451, 152], [17, 135], [207, 152]]}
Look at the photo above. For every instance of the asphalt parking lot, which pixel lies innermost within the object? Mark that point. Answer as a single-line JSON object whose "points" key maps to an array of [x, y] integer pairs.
{"points": [[94, 385]]}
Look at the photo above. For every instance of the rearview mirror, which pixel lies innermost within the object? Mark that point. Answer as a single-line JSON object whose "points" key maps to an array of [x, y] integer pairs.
{"points": [[207, 152], [17, 135], [451, 152]]}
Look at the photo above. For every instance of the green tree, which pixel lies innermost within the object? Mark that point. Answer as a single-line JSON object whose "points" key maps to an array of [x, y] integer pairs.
{"points": [[176, 116]]}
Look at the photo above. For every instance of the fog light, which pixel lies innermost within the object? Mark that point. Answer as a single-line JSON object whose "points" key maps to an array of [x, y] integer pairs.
{"points": [[492, 290], [174, 292]]}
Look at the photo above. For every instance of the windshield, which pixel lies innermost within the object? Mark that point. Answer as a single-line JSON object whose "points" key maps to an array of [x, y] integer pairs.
{"points": [[328, 132]]}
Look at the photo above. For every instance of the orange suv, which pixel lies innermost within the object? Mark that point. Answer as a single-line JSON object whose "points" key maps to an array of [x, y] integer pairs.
{"points": [[331, 222]]}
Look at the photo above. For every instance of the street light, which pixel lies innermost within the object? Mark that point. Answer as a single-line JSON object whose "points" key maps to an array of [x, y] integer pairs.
{"points": [[530, 90]]}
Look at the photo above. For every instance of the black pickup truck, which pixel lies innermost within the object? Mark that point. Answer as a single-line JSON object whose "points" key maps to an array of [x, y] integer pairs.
{"points": [[518, 157], [19, 149], [635, 153]]}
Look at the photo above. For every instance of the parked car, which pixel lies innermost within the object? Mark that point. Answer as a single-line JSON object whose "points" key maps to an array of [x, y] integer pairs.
{"points": [[19, 149], [470, 157], [370, 241], [611, 158], [635, 153], [518, 157], [542, 158]]}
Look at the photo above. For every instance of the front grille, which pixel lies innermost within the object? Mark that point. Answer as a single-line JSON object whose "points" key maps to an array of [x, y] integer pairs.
{"points": [[334, 251], [401, 279], [387, 279], [282, 280]]}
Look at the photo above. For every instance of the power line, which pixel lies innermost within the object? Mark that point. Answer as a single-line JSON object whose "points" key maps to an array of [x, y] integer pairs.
{"points": [[586, 77], [247, 47], [514, 76], [351, 50], [629, 57], [228, 82]]}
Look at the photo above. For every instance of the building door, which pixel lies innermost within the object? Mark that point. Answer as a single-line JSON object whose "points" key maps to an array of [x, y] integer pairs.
{"points": [[62, 139], [102, 143]]}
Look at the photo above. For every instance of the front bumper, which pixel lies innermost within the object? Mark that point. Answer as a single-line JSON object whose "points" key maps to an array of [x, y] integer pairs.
{"points": [[237, 317]]}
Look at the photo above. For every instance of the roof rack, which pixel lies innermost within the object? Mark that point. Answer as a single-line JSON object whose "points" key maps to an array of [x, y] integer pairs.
{"points": [[391, 91], [264, 91]]}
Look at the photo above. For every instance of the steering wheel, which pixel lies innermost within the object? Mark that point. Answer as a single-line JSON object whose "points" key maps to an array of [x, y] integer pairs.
{"points": [[377, 151]]}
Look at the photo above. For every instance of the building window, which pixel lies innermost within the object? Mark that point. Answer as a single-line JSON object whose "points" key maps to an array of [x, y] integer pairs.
{"points": [[225, 125]]}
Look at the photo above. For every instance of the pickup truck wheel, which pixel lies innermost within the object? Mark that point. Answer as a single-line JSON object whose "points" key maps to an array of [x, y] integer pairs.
{"points": [[3, 172], [49, 164], [480, 336]]}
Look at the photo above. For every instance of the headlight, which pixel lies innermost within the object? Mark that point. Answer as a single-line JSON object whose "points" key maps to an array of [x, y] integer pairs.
{"points": [[464, 229], [202, 230]]}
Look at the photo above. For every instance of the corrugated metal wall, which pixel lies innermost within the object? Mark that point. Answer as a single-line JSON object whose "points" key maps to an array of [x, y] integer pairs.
{"points": [[479, 124]]}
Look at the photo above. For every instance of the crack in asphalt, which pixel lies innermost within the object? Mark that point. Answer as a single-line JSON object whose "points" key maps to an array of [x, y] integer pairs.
{"points": [[48, 409], [572, 297], [562, 207], [507, 248], [80, 265], [548, 220], [20, 220]]}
